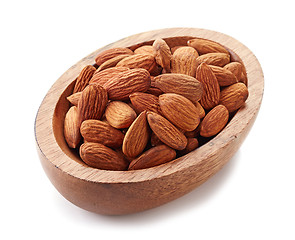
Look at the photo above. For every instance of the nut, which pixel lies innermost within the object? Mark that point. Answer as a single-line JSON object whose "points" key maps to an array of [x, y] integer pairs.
{"points": [[204, 46], [180, 111], [181, 84], [99, 156], [184, 60], [145, 101], [111, 53], [216, 59], [214, 121], [153, 157], [101, 132], [84, 78], [224, 77], [121, 86], [92, 103], [71, 127], [119, 114], [101, 77], [211, 93], [234, 96], [137, 137], [166, 131], [144, 61], [162, 53], [144, 108]]}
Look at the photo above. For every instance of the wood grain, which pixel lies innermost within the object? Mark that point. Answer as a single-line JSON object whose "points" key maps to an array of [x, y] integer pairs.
{"points": [[124, 192]]}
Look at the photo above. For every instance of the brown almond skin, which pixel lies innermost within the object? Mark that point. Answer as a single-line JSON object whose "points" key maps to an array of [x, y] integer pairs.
{"points": [[204, 46], [163, 54], [233, 97], [145, 49], [223, 76], [74, 98], [235, 68], [214, 121], [216, 59], [155, 156], [92, 103], [200, 109], [166, 131], [122, 85], [112, 62], [99, 156], [145, 101], [101, 132], [111, 53], [184, 61], [71, 128], [155, 141], [101, 77], [120, 114], [181, 84], [84, 78], [211, 87], [136, 137], [192, 144], [144, 61], [154, 91], [180, 111]]}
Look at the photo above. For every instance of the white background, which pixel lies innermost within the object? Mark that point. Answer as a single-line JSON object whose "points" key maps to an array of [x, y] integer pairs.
{"points": [[251, 198]]}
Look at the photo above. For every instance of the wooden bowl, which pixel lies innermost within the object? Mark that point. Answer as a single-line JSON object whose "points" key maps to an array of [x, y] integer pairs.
{"points": [[123, 192]]}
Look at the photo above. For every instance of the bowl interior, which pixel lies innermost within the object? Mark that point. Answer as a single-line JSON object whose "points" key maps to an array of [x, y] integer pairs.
{"points": [[63, 104]]}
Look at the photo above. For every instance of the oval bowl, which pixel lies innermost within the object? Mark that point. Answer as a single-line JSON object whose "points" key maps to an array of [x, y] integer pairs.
{"points": [[124, 192]]}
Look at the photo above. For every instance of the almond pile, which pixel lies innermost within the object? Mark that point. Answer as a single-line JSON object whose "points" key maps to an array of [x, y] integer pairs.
{"points": [[136, 109]]}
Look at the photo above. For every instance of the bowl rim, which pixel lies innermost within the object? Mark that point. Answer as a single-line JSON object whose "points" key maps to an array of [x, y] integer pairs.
{"points": [[50, 149]]}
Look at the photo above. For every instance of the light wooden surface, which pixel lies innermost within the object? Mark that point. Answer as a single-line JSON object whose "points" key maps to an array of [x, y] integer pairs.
{"points": [[110, 192]]}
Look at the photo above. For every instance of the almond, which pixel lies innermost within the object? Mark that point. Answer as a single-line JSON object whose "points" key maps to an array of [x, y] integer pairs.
{"points": [[136, 137], [119, 114], [234, 96], [204, 46], [192, 144], [163, 54], [99, 156], [200, 109], [166, 131], [181, 84], [224, 76], [154, 91], [214, 121], [84, 78], [111, 53], [101, 132], [144, 101], [180, 111], [74, 98], [184, 61], [71, 128], [211, 88], [153, 157], [139, 61], [173, 49], [92, 103], [239, 70], [101, 77], [122, 85], [112, 62], [155, 141], [146, 49], [235, 68], [216, 59]]}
